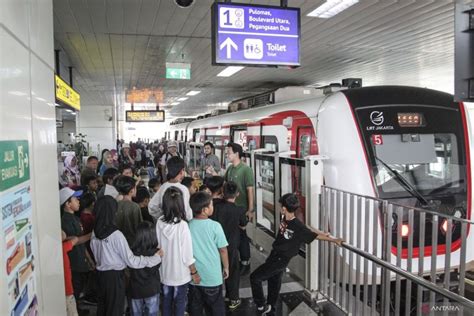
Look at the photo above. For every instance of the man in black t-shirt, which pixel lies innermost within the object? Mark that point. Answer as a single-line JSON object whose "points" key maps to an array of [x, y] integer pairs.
{"points": [[291, 235]]}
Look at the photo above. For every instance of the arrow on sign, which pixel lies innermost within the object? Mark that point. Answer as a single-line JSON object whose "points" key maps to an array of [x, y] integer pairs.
{"points": [[229, 44], [173, 73]]}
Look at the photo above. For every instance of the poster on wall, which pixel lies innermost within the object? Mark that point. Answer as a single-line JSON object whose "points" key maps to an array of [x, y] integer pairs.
{"points": [[15, 203]]}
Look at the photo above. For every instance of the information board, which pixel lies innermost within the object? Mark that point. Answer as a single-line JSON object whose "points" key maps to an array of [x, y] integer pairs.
{"points": [[252, 35], [144, 116], [67, 95], [16, 244]]}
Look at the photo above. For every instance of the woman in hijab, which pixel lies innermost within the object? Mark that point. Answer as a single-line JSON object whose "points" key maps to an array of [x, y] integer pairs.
{"points": [[113, 255], [71, 176], [107, 162], [101, 161]]}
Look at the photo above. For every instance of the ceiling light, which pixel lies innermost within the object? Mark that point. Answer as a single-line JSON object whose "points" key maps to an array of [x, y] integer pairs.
{"points": [[73, 113], [229, 71], [331, 7], [174, 103], [182, 99], [193, 92]]}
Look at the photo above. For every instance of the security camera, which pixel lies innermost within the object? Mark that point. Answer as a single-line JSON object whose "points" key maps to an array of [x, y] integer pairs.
{"points": [[184, 3]]}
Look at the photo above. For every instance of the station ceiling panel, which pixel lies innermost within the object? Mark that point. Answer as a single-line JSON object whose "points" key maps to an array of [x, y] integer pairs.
{"points": [[116, 45]]}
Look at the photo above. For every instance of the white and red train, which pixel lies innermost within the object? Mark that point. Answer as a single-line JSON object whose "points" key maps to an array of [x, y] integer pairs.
{"points": [[420, 133]]}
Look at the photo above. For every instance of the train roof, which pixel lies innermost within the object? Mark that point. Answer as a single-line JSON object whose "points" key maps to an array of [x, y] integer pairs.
{"points": [[308, 106]]}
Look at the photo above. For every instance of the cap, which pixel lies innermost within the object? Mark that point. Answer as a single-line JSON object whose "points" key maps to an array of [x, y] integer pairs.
{"points": [[125, 145], [66, 193], [172, 144]]}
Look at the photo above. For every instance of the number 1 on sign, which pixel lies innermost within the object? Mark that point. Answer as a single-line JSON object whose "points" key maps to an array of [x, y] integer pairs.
{"points": [[231, 18], [226, 13]]}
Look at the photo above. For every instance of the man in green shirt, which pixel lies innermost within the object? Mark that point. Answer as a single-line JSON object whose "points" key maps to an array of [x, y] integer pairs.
{"points": [[242, 175]]}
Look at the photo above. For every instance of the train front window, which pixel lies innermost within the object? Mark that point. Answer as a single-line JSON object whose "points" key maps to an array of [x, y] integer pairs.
{"points": [[429, 162]]}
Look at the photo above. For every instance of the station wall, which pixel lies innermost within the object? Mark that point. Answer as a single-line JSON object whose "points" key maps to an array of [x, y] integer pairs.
{"points": [[97, 122], [27, 113]]}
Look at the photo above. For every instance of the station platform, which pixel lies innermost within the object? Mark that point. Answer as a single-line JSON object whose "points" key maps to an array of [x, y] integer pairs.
{"points": [[292, 300]]}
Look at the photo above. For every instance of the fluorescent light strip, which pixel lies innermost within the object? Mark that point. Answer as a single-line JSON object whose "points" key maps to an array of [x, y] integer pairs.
{"points": [[182, 99], [174, 103], [229, 71], [193, 92], [332, 7]]}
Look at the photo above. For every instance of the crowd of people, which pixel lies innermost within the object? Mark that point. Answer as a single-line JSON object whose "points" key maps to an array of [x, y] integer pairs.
{"points": [[170, 247]]}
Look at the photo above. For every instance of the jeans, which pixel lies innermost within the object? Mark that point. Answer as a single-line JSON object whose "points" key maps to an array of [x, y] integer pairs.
{"points": [[244, 247], [175, 299], [272, 270], [151, 172], [208, 298], [149, 306]]}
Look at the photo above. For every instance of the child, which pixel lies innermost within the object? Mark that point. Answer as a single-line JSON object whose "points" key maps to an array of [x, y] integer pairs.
{"points": [[68, 244], [129, 214], [178, 265], [210, 252], [153, 186], [86, 207], [188, 182], [113, 255], [108, 178], [71, 225], [291, 235], [215, 184], [142, 198], [175, 167], [232, 218], [145, 282], [91, 184]]}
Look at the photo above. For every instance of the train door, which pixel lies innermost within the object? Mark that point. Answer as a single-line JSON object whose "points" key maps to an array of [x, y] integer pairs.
{"points": [[238, 134]]}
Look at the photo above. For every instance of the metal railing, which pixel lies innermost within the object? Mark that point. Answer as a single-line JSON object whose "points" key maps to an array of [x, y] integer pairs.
{"points": [[396, 260]]}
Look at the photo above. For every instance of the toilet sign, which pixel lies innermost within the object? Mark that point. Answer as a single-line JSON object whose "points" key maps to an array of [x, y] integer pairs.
{"points": [[255, 35]]}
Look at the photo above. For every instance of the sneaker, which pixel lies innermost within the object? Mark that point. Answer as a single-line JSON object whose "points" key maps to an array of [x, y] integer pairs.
{"points": [[234, 304], [263, 310], [244, 269]]}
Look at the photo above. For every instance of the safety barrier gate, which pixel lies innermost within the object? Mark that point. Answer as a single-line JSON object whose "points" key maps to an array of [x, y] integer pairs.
{"points": [[390, 263]]}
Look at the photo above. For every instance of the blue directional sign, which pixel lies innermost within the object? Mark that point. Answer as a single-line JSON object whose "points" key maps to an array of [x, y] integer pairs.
{"points": [[255, 35]]}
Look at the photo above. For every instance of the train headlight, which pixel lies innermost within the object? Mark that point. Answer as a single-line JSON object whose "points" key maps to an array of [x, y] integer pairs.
{"points": [[405, 230]]}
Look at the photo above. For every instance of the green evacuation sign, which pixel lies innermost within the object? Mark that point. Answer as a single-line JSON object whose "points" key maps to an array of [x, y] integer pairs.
{"points": [[178, 73], [14, 163]]}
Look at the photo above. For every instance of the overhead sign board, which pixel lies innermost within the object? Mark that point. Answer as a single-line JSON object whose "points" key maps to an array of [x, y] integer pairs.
{"points": [[145, 96], [178, 73], [66, 95], [245, 34], [144, 116]]}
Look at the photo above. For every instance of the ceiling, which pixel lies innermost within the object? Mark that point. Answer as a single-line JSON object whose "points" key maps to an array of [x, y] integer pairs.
{"points": [[115, 45]]}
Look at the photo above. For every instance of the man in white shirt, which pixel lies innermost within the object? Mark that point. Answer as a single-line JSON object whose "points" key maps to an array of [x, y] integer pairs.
{"points": [[175, 166]]}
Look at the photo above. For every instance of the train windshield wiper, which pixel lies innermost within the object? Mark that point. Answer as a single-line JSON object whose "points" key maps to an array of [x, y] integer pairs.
{"points": [[404, 183]]}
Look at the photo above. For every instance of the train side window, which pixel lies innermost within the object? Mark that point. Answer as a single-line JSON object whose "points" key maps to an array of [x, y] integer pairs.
{"points": [[176, 134], [304, 146], [270, 143]]}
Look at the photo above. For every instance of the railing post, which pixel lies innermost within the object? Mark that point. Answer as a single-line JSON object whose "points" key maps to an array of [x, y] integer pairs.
{"points": [[314, 182], [386, 246]]}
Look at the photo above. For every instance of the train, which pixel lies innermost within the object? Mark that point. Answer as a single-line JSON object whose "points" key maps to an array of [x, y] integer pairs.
{"points": [[407, 145]]}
